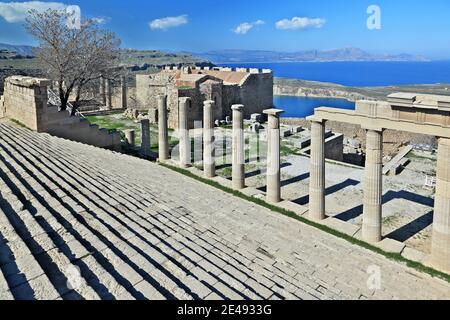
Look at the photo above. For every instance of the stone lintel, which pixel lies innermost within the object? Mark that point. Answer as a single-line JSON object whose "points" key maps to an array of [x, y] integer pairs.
{"points": [[349, 116], [273, 112], [368, 126]]}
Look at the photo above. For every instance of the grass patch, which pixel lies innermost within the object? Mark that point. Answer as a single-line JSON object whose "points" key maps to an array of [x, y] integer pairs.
{"points": [[20, 124], [392, 256]]}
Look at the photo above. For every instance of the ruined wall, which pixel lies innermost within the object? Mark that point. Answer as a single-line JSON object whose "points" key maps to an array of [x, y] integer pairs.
{"points": [[2, 107], [230, 96], [257, 92], [149, 88], [334, 148], [25, 100], [212, 90], [195, 109]]}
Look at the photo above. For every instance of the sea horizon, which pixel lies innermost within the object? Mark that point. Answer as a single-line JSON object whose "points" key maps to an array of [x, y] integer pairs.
{"points": [[360, 73]]}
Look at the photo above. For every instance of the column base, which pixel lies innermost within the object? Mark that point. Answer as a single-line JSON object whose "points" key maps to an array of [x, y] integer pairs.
{"points": [[440, 253]]}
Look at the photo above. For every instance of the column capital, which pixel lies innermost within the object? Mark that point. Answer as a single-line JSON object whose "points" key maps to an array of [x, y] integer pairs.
{"points": [[273, 112], [208, 102], [237, 107], [184, 99], [316, 119]]}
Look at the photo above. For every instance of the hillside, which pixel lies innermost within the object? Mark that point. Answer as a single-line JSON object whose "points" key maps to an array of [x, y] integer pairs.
{"points": [[17, 60], [302, 88], [19, 49]]}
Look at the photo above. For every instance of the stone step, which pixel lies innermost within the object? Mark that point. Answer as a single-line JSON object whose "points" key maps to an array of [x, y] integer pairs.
{"points": [[141, 232], [154, 221], [99, 245]]}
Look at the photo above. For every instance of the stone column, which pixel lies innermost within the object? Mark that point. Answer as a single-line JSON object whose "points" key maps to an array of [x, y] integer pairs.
{"points": [[183, 128], [103, 90], [440, 245], [317, 171], [124, 92], [108, 94], [163, 141], [238, 162], [145, 138], [373, 186], [209, 163], [130, 137], [273, 155]]}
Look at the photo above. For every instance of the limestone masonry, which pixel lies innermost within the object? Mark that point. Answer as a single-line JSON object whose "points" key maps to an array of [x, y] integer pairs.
{"points": [[225, 86]]}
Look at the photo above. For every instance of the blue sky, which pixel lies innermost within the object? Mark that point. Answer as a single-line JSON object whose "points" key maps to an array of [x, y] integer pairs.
{"points": [[407, 26]]}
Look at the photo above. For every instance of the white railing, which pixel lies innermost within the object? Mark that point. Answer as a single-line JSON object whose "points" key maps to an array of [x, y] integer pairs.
{"points": [[53, 98]]}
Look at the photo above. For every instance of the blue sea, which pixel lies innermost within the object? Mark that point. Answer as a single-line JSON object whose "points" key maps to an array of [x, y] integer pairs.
{"points": [[360, 74], [300, 107]]}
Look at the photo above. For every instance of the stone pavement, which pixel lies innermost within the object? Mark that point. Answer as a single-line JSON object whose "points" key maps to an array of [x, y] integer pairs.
{"points": [[78, 222]]}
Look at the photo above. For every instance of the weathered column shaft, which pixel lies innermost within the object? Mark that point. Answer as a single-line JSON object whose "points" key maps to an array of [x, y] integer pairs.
{"points": [[130, 137], [373, 186], [273, 155], [440, 245], [209, 163], [317, 171], [145, 138], [163, 133], [108, 94], [124, 92], [103, 90], [238, 162], [183, 128]]}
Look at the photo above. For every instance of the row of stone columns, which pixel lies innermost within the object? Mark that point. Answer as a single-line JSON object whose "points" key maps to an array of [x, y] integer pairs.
{"points": [[373, 191], [372, 181], [106, 92], [238, 145]]}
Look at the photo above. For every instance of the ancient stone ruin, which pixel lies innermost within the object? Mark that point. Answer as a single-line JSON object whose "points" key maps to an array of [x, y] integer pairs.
{"points": [[224, 86]]}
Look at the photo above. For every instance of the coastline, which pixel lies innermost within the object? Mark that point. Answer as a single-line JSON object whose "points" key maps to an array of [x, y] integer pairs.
{"points": [[314, 89]]}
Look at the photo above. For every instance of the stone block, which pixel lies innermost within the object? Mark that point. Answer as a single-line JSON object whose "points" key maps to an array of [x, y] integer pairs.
{"points": [[294, 207], [391, 245], [252, 192], [414, 255], [342, 226]]}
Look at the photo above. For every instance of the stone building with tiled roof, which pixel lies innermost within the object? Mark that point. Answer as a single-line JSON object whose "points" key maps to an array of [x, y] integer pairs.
{"points": [[226, 86]]}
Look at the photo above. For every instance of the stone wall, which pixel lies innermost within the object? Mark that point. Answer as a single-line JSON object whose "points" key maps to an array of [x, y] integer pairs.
{"points": [[149, 88], [334, 148], [195, 112], [2, 107], [25, 100], [256, 94]]}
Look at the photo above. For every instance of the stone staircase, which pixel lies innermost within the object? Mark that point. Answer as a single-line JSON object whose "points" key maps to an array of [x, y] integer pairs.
{"points": [[76, 223], [77, 128]]}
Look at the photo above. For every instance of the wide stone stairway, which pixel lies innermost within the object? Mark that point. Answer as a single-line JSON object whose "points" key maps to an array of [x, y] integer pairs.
{"points": [[79, 222]]}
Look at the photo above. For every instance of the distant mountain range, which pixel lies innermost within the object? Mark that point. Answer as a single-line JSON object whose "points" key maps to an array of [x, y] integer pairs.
{"points": [[19, 49], [260, 56]]}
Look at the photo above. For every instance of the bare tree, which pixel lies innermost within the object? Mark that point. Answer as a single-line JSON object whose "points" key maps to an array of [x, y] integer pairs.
{"points": [[73, 57]]}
